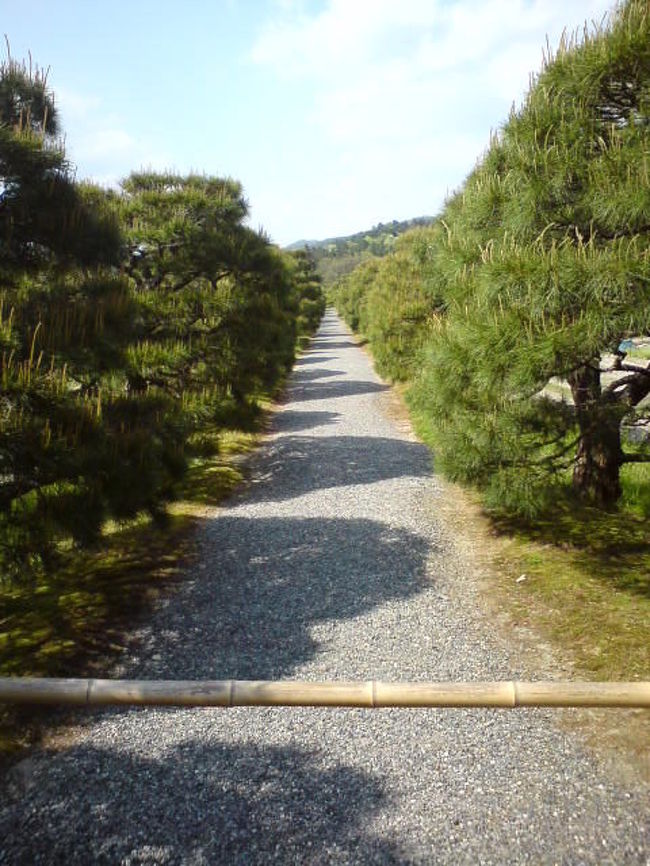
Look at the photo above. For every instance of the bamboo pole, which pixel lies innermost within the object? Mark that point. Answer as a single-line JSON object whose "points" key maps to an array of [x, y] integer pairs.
{"points": [[287, 693]]}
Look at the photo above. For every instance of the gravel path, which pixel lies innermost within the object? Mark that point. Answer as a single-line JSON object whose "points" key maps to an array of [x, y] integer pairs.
{"points": [[328, 565]]}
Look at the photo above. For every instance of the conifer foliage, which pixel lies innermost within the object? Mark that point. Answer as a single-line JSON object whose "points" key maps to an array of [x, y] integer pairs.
{"points": [[132, 323], [538, 271], [391, 300]]}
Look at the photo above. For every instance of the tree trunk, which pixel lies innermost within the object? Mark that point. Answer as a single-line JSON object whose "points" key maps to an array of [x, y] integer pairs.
{"points": [[599, 456]]}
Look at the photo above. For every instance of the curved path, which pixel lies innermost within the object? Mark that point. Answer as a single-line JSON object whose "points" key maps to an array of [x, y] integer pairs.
{"points": [[328, 565]]}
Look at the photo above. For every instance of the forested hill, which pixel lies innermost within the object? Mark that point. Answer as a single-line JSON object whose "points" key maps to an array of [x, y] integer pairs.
{"points": [[335, 257]]}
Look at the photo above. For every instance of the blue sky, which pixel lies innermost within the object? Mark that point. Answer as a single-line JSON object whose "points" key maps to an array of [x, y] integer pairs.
{"points": [[334, 114]]}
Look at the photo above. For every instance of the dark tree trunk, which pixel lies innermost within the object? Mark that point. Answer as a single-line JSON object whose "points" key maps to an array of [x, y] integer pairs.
{"points": [[599, 455], [239, 395]]}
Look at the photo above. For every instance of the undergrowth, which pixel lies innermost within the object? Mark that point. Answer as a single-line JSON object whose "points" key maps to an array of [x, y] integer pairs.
{"points": [[586, 573], [75, 622]]}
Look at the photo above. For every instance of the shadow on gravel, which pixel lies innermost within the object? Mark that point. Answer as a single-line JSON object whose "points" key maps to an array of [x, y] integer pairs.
{"points": [[318, 345], [295, 465], [311, 375], [269, 582], [303, 391], [291, 421], [313, 359], [201, 804], [326, 331]]}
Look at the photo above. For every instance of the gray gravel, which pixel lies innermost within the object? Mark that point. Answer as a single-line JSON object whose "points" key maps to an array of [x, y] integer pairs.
{"points": [[328, 564]]}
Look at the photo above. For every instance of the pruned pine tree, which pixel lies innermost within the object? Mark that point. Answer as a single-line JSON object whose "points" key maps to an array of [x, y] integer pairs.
{"points": [[214, 292], [52, 307], [352, 292], [44, 217], [393, 302], [545, 270], [131, 324], [309, 292]]}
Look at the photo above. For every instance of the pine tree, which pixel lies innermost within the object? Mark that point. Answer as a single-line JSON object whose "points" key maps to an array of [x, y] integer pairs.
{"points": [[213, 289], [130, 323], [52, 306], [545, 268], [308, 286]]}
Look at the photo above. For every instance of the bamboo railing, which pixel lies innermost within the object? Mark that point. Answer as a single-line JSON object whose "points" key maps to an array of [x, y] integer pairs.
{"points": [[286, 693]]}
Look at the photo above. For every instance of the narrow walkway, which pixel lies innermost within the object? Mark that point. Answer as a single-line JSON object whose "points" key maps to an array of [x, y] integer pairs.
{"points": [[328, 565]]}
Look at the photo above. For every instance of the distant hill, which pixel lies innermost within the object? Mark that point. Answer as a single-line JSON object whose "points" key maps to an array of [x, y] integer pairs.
{"points": [[361, 240], [302, 245], [337, 256]]}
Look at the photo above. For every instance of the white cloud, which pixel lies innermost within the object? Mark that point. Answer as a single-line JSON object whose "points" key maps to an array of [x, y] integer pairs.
{"points": [[346, 35], [418, 80], [104, 142], [76, 105], [100, 142]]}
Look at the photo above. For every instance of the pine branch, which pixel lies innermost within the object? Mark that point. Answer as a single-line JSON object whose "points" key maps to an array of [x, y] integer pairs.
{"points": [[552, 459], [609, 390], [635, 368], [181, 284], [630, 389]]}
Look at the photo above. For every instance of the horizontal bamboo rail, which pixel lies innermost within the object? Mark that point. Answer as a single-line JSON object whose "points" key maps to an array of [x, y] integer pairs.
{"points": [[285, 693]]}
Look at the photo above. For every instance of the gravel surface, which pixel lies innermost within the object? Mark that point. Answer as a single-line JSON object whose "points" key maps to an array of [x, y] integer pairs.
{"points": [[328, 564]]}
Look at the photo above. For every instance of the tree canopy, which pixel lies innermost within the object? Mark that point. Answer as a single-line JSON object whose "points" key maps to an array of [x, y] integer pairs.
{"points": [[537, 270], [134, 325]]}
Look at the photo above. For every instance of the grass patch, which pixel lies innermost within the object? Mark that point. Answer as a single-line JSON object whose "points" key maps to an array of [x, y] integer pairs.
{"points": [[66, 615], [215, 472], [71, 622], [639, 353], [586, 592], [587, 586], [635, 480], [74, 622], [588, 604]]}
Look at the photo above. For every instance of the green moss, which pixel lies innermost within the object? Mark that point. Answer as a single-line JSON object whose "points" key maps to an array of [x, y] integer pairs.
{"points": [[71, 622], [587, 584]]}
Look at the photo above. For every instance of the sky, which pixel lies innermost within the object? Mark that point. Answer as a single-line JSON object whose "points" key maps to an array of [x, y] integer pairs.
{"points": [[335, 115]]}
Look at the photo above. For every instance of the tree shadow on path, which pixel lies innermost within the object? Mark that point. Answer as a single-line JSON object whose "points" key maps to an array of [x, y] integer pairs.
{"points": [[248, 614], [313, 358], [198, 803], [255, 602], [327, 343], [301, 391], [311, 375], [295, 465], [291, 421]]}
